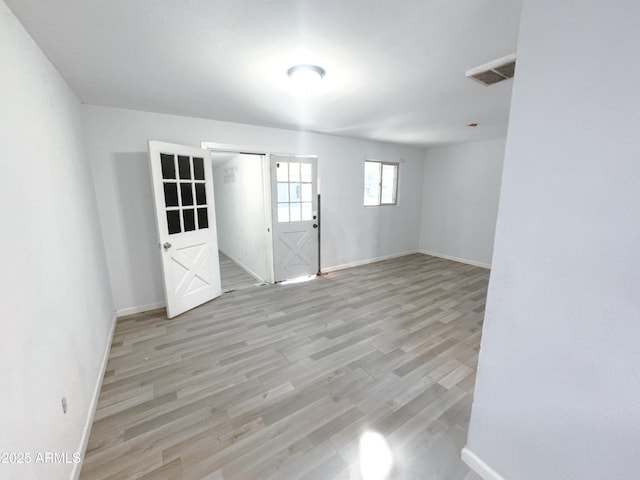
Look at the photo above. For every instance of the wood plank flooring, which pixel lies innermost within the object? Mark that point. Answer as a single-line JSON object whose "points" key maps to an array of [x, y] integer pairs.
{"points": [[281, 381], [233, 276]]}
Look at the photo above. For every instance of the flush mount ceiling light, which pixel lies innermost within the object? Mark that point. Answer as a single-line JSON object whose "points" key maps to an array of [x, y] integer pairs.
{"points": [[306, 76]]}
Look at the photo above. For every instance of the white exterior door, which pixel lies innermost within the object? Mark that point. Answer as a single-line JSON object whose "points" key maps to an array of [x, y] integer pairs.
{"points": [[295, 216], [185, 214]]}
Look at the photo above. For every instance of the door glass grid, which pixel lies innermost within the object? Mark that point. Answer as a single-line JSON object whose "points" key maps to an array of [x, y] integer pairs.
{"points": [[294, 191], [185, 196]]}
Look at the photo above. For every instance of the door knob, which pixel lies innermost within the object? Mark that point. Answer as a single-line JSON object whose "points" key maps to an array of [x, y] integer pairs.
{"points": [[315, 225], [166, 246]]}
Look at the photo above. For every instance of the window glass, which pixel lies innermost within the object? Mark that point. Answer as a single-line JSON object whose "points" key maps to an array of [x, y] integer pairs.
{"points": [[203, 220], [294, 195], [294, 191], [189, 219], [184, 167], [173, 221], [305, 172], [184, 188], [380, 183], [283, 172], [283, 212], [294, 172], [168, 166], [198, 168], [295, 214], [186, 194], [306, 192], [283, 192], [389, 182], [372, 183], [201, 194], [171, 194]]}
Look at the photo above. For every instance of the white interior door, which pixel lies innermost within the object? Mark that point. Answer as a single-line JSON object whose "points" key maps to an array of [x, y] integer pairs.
{"points": [[185, 214], [294, 203]]}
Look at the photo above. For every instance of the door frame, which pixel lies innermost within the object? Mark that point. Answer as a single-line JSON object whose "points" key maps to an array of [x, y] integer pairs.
{"points": [[266, 188]]}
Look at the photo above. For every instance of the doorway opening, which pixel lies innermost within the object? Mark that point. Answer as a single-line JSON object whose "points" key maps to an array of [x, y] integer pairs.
{"points": [[240, 215], [284, 187]]}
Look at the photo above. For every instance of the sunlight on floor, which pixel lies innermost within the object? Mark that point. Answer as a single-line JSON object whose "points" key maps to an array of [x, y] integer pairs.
{"points": [[298, 280], [376, 460]]}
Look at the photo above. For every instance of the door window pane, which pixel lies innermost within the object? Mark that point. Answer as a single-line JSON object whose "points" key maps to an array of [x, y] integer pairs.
{"points": [[306, 211], [173, 221], [295, 212], [198, 168], [189, 218], [187, 194], [171, 194], [306, 192], [184, 167], [283, 192], [294, 172], [282, 170], [203, 220], [168, 166], [305, 172], [294, 192], [201, 194], [283, 212]]}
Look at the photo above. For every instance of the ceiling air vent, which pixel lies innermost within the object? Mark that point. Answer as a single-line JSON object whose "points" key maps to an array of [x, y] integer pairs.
{"points": [[494, 72]]}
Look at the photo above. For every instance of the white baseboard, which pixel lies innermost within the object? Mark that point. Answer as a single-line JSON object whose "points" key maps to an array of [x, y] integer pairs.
{"points": [[84, 441], [367, 261], [244, 267], [123, 312], [479, 466], [456, 259]]}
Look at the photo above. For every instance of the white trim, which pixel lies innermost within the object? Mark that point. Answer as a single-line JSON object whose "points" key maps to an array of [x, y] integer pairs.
{"points": [[456, 259], [268, 216], [479, 466], [84, 440], [367, 261], [123, 312], [244, 267], [226, 147]]}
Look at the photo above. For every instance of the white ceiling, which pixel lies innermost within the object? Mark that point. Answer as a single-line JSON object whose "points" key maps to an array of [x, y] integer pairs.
{"points": [[395, 69]]}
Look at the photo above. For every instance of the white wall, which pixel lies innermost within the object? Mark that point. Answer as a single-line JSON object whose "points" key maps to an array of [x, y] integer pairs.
{"points": [[350, 233], [460, 195], [558, 389], [56, 305], [240, 213]]}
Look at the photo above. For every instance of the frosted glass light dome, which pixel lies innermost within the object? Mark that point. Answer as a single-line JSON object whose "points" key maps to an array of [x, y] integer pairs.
{"points": [[306, 77]]}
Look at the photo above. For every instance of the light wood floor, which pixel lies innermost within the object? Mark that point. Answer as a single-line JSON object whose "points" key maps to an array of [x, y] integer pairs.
{"points": [[233, 276], [280, 382]]}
